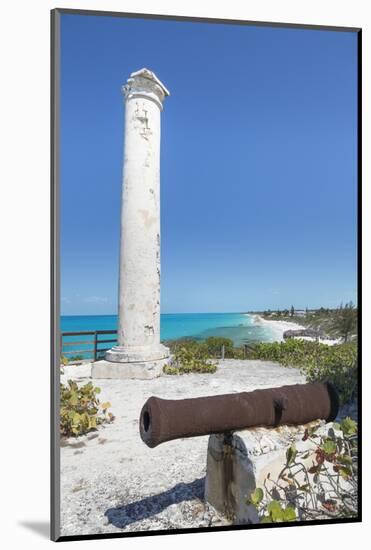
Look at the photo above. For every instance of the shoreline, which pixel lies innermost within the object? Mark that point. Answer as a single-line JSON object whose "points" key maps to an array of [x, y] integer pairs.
{"points": [[279, 327]]}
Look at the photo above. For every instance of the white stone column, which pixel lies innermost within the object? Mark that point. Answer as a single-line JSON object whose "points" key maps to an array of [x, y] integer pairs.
{"points": [[139, 353]]}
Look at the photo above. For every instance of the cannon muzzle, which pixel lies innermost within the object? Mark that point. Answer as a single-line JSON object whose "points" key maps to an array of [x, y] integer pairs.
{"points": [[166, 419]]}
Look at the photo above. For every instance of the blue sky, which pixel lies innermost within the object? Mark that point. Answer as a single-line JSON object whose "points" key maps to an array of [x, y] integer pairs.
{"points": [[258, 163]]}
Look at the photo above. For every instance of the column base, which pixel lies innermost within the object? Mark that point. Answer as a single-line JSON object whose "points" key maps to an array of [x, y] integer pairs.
{"points": [[138, 370], [137, 354]]}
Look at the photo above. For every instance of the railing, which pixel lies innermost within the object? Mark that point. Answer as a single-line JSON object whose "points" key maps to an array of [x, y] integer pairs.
{"points": [[95, 350], [247, 350]]}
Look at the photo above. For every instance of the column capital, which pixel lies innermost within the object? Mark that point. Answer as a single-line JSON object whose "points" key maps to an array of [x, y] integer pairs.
{"points": [[144, 83]]}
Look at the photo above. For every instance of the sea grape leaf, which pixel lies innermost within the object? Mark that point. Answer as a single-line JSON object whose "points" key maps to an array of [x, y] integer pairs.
{"points": [[257, 496], [291, 454]]}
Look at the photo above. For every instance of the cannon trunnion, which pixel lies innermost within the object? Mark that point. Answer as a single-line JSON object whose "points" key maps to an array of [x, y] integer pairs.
{"points": [[163, 420]]}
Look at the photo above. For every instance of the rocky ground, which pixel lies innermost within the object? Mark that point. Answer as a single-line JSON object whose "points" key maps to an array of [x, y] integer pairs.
{"points": [[112, 482]]}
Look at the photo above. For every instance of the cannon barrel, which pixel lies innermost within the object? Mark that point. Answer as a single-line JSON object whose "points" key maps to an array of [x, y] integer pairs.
{"points": [[166, 419]]}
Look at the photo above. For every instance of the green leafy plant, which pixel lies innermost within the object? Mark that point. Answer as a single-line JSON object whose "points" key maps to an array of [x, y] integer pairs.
{"points": [[64, 360], [75, 358], [80, 409], [277, 513], [190, 357], [213, 345], [316, 483], [337, 364], [239, 353]]}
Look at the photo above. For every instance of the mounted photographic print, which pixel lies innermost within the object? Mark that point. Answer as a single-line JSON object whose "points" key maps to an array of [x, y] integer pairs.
{"points": [[205, 278]]}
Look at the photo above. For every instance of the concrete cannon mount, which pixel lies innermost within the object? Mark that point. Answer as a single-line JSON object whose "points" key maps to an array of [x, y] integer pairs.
{"points": [[239, 464]]}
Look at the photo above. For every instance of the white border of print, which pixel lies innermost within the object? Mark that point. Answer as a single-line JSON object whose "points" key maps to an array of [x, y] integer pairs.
{"points": [[25, 221]]}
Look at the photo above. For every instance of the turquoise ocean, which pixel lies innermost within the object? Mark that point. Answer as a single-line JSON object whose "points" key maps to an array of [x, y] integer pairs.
{"points": [[239, 327]]}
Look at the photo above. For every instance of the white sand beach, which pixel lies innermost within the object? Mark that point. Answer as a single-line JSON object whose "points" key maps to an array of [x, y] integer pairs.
{"points": [[279, 327], [326, 341]]}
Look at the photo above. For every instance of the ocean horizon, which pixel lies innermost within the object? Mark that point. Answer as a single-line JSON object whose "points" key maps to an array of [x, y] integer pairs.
{"points": [[239, 327]]}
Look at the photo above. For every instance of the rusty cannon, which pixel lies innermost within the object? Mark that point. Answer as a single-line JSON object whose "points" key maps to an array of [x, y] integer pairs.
{"points": [[164, 420]]}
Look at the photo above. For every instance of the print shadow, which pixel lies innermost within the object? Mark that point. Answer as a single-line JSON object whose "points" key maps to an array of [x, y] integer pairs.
{"points": [[42, 528], [122, 516]]}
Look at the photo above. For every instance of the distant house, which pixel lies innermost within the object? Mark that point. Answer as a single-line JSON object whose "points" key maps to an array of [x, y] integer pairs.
{"points": [[300, 312]]}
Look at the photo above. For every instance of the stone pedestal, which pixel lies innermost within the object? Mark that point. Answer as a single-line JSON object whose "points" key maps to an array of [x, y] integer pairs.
{"points": [[139, 349], [230, 479], [237, 464], [138, 371]]}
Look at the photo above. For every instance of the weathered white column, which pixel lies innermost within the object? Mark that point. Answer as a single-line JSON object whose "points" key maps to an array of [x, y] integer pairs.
{"points": [[139, 353]]}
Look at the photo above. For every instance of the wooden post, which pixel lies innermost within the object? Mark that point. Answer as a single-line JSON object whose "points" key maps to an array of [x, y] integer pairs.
{"points": [[223, 351], [245, 350], [95, 345]]}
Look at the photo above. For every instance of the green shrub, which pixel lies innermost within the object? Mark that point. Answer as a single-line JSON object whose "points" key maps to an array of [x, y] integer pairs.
{"points": [[338, 365], [190, 356], [239, 353], [173, 344], [214, 344], [318, 362], [199, 368], [168, 369], [75, 358], [267, 352], [80, 409], [290, 353], [64, 360]]}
